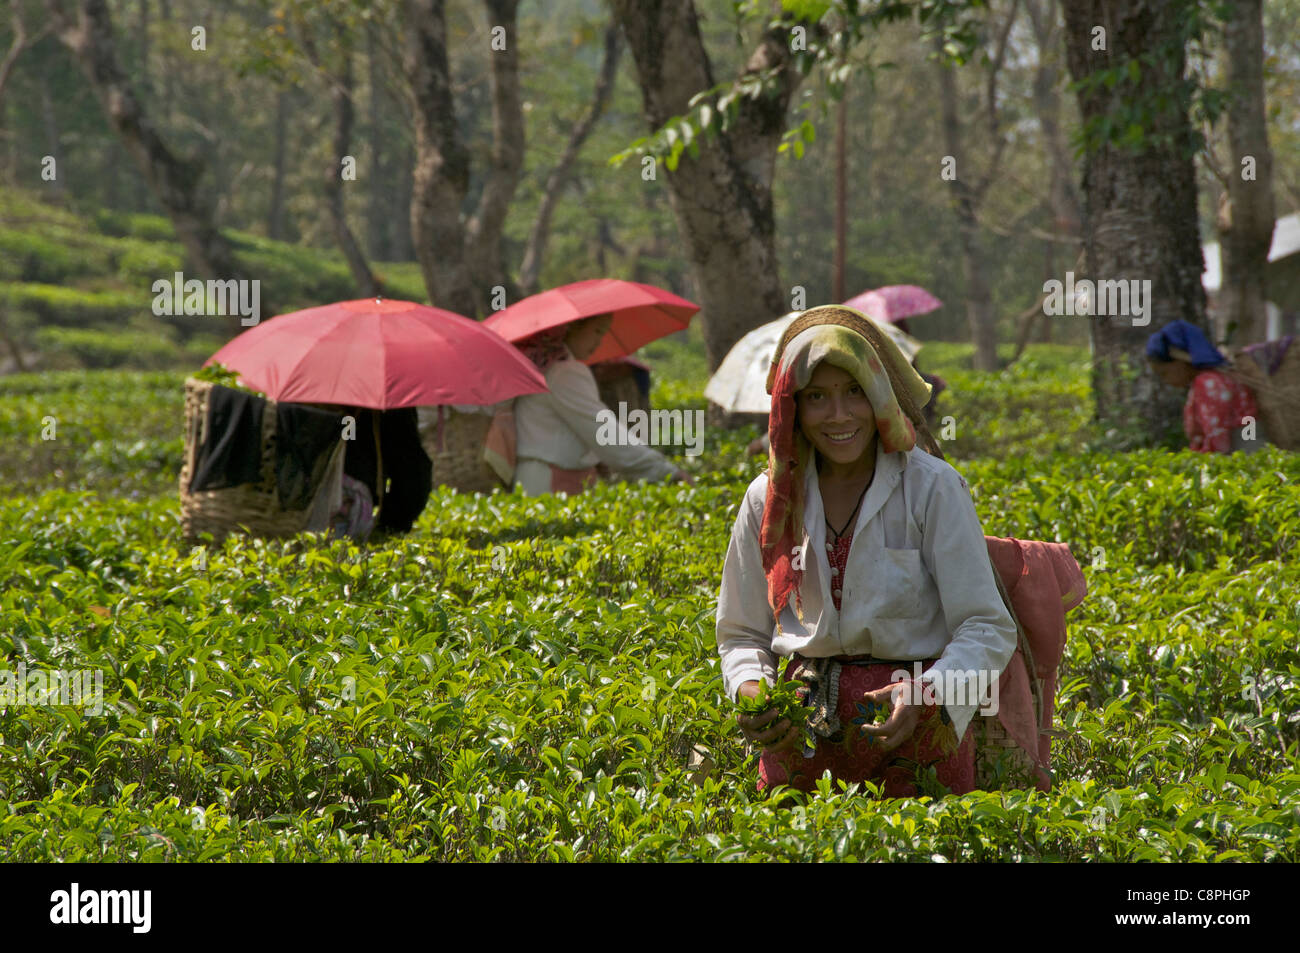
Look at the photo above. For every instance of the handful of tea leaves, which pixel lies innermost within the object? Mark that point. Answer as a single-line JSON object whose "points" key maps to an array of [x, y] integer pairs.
{"points": [[787, 698]]}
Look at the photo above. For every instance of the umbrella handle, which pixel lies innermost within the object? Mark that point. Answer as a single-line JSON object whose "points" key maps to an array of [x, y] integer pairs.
{"points": [[379, 464]]}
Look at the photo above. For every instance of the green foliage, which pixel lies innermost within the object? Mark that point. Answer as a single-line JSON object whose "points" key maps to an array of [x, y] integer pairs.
{"points": [[80, 289], [1143, 115], [526, 679], [220, 374], [143, 263], [1038, 406], [114, 432], [100, 349], [29, 257], [147, 228], [54, 304], [714, 111]]}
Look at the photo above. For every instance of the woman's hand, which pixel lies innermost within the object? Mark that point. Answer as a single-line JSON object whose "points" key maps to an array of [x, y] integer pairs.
{"points": [[760, 729], [903, 717]]}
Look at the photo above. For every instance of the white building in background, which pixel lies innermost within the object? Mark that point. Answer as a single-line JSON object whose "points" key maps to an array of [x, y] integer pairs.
{"points": [[1283, 278]]}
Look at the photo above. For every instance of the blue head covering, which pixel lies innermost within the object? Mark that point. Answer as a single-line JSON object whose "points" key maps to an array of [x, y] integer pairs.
{"points": [[1186, 337]]}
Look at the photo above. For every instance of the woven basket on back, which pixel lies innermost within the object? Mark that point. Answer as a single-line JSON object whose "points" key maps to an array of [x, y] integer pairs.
{"points": [[1277, 395], [999, 761], [457, 454], [252, 508]]}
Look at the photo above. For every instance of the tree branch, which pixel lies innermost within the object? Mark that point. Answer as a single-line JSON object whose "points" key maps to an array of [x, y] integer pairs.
{"points": [[484, 230], [532, 263]]}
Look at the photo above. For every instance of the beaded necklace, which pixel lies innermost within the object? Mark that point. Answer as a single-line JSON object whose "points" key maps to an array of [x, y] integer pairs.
{"points": [[861, 497]]}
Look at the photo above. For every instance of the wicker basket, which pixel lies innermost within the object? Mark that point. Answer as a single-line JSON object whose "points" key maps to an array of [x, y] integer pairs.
{"points": [[1277, 395], [999, 761], [457, 454], [253, 508]]}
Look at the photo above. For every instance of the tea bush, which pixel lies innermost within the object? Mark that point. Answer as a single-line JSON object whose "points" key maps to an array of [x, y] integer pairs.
{"points": [[92, 273], [536, 679]]}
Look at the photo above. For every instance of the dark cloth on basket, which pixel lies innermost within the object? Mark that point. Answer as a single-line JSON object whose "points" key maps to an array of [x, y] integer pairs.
{"points": [[408, 471], [231, 454], [305, 438]]}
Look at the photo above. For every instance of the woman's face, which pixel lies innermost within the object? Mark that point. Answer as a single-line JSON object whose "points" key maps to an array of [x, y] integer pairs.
{"points": [[585, 336], [835, 415], [1174, 373]]}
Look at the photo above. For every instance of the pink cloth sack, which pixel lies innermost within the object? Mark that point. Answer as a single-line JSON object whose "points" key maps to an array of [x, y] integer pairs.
{"points": [[1044, 582]]}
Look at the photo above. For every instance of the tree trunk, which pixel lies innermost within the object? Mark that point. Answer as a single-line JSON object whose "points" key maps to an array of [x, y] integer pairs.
{"points": [[168, 98], [979, 301], [1063, 195], [400, 204], [341, 98], [275, 226], [22, 41], [1139, 217], [440, 177], [838, 292], [141, 198], [484, 230], [530, 270], [378, 235], [1245, 240], [174, 181], [723, 199], [1063, 198], [50, 124]]}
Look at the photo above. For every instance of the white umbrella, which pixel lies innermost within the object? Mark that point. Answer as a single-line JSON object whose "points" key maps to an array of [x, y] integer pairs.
{"points": [[739, 386]]}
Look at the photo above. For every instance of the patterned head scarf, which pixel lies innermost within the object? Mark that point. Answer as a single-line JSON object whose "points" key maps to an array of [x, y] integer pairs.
{"points": [[546, 347], [846, 339]]}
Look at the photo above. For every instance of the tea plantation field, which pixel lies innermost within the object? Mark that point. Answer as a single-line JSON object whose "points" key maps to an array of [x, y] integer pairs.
{"points": [[529, 679]]}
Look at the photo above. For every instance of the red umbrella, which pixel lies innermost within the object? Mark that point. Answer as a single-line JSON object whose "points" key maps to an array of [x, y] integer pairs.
{"points": [[381, 354], [894, 302], [641, 314]]}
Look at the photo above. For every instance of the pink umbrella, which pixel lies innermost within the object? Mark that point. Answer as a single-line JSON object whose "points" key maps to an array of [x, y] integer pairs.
{"points": [[894, 302], [641, 314], [379, 353]]}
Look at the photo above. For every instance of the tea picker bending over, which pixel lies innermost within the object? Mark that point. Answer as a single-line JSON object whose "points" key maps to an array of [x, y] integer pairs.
{"points": [[1217, 406], [557, 447]]}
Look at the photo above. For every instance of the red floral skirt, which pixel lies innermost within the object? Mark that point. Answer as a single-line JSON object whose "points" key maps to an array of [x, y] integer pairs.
{"points": [[858, 757]]}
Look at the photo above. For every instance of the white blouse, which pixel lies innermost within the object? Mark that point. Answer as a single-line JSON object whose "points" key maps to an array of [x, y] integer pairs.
{"points": [[917, 585], [560, 428]]}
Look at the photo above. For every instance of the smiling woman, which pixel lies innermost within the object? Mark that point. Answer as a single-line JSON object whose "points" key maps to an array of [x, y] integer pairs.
{"points": [[856, 554]]}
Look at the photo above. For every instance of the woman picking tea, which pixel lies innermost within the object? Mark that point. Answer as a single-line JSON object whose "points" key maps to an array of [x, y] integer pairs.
{"points": [[855, 555]]}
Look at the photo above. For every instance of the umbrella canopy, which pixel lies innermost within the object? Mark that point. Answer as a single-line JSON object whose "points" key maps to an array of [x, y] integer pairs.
{"points": [[641, 314], [739, 385], [894, 302], [381, 354]]}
